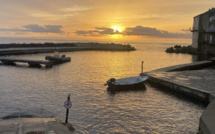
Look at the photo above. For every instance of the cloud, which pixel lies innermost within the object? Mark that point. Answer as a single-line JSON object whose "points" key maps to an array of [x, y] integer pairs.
{"points": [[185, 30], [76, 8], [151, 16], [44, 29], [61, 13], [148, 31], [98, 31], [37, 29], [136, 31], [141, 31]]}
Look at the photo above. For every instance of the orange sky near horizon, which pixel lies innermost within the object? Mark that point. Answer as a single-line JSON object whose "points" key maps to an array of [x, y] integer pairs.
{"points": [[100, 19]]}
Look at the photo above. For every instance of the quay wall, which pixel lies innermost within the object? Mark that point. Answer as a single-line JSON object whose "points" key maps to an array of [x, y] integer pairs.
{"points": [[207, 119], [190, 91]]}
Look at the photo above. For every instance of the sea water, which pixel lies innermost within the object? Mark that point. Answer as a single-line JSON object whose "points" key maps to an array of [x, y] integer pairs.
{"points": [[42, 92]]}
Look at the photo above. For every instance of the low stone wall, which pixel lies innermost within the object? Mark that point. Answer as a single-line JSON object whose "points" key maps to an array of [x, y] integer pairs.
{"points": [[189, 66], [207, 120]]}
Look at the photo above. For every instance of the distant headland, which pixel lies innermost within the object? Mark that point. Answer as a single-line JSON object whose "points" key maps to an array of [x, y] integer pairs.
{"points": [[29, 48]]}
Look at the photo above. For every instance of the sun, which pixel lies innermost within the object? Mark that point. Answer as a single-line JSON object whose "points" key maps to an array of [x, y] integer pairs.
{"points": [[116, 29]]}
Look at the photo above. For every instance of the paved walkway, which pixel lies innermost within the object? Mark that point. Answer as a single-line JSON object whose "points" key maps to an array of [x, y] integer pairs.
{"points": [[33, 126]]}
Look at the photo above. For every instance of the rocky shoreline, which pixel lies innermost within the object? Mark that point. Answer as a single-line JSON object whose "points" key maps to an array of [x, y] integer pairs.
{"points": [[182, 49]]}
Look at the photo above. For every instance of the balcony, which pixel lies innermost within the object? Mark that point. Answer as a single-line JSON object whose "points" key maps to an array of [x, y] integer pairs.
{"points": [[193, 29]]}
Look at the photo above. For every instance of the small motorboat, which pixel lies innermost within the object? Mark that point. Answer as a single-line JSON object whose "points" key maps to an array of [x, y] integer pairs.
{"points": [[58, 59], [126, 83]]}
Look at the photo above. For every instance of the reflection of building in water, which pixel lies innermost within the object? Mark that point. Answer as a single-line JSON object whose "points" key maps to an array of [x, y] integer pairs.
{"points": [[204, 32]]}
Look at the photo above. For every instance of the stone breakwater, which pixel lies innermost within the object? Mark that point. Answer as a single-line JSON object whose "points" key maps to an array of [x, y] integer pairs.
{"points": [[195, 80], [14, 49]]}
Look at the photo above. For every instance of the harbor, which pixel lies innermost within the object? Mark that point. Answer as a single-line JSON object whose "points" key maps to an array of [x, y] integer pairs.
{"points": [[194, 80], [144, 110], [75, 67]]}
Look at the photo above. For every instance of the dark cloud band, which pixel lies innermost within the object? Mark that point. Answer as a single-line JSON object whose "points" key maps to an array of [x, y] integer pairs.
{"points": [[98, 30], [38, 29], [135, 31]]}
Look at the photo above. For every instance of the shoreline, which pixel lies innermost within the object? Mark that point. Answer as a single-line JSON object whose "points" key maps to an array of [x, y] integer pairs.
{"points": [[194, 80]]}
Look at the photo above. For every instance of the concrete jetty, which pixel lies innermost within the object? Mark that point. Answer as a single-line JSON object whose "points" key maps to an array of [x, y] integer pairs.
{"points": [[195, 80], [35, 126], [31, 49], [32, 63]]}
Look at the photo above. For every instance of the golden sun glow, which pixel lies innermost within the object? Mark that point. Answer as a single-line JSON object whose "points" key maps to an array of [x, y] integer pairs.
{"points": [[116, 29], [116, 36]]}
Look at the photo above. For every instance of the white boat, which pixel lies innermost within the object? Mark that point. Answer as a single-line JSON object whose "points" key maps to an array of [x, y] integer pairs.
{"points": [[58, 59], [127, 83]]}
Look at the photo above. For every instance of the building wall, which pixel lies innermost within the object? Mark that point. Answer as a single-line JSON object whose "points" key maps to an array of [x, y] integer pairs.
{"points": [[211, 30], [208, 27], [195, 32], [195, 40], [204, 32], [204, 22], [209, 49]]}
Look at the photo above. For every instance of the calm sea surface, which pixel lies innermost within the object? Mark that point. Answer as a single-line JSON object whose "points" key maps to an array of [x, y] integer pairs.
{"points": [[26, 90]]}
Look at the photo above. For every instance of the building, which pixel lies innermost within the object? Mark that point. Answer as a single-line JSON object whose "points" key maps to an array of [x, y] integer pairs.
{"points": [[204, 32]]}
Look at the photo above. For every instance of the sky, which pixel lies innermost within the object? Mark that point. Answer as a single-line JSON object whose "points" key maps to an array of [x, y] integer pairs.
{"points": [[99, 20]]}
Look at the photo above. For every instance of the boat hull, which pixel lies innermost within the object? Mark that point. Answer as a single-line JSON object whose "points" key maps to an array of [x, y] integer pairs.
{"points": [[125, 87], [57, 60], [131, 83]]}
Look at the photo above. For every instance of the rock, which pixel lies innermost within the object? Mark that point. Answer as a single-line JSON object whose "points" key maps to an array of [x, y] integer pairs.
{"points": [[170, 50], [182, 49], [177, 46], [69, 126]]}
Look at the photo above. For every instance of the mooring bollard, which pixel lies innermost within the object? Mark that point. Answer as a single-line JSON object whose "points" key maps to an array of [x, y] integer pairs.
{"points": [[67, 105], [142, 69]]}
